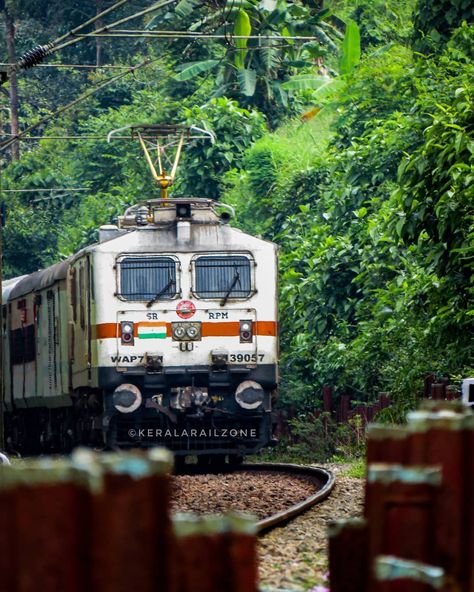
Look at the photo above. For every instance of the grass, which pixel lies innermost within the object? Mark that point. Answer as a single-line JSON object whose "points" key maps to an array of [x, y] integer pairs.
{"points": [[297, 144], [357, 469], [354, 466]]}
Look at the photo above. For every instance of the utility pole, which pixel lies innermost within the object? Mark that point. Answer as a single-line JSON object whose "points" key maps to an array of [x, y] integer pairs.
{"points": [[10, 34], [2, 321]]}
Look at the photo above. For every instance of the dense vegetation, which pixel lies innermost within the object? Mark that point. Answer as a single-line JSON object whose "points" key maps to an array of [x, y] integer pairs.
{"points": [[353, 151]]}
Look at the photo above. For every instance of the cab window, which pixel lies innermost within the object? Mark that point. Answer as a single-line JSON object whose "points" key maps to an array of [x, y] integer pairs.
{"points": [[147, 278], [222, 276]]}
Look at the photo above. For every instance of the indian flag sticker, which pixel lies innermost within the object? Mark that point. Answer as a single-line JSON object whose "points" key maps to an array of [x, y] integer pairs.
{"points": [[152, 330]]}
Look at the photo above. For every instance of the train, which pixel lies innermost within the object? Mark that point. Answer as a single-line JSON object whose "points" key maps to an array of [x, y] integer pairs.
{"points": [[163, 333]]}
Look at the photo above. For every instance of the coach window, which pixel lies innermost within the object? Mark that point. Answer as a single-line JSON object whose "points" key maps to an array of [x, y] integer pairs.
{"points": [[147, 278], [222, 276]]}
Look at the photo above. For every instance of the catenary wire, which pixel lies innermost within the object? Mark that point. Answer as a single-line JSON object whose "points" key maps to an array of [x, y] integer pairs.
{"points": [[35, 56], [6, 143], [193, 35], [51, 189], [58, 65], [91, 21], [152, 8]]}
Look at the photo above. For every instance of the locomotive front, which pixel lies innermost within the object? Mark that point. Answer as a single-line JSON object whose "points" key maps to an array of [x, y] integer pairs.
{"points": [[184, 330]]}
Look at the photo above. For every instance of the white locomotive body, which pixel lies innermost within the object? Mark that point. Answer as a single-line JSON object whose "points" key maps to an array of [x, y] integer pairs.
{"points": [[165, 332]]}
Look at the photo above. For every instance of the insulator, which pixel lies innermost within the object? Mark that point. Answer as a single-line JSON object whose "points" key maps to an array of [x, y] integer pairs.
{"points": [[35, 56]]}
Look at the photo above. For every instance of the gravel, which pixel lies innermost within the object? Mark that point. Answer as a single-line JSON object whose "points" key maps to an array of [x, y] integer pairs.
{"points": [[262, 493], [295, 557]]}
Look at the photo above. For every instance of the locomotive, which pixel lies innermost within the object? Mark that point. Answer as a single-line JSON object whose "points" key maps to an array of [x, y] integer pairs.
{"points": [[162, 333]]}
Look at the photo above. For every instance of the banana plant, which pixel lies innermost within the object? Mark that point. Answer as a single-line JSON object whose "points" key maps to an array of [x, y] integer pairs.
{"points": [[326, 86], [258, 67]]}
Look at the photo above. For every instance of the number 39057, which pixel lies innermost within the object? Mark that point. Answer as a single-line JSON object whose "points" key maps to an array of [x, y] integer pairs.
{"points": [[241, 358]]}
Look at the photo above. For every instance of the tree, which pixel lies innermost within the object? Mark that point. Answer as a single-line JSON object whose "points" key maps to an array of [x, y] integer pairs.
{"points": [[434, 22], [254, 69]]}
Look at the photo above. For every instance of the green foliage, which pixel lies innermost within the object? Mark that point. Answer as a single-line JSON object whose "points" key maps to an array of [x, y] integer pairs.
{"points": [[318, 438], [369, 193], [435, 21], [205, 163], [376, 233], [350, 48], [382, 23], [194, 68], [357, 469], [269, 188], [254, 70], [242, 28]]}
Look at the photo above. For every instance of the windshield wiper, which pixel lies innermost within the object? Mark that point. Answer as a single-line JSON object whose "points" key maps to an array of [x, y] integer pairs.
{"points": [[161, 292], [231, 287]]}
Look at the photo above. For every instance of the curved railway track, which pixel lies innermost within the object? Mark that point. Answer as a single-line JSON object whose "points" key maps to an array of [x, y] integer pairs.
{"points": [[325, 479], [322, 480]]}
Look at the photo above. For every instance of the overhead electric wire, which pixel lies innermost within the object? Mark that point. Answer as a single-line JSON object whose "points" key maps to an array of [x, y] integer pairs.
{"points": [[35, 56], [91, 21], [44, 190], [58, 65], [152, 8], [193, 35], [6, 143], [83, 137]]}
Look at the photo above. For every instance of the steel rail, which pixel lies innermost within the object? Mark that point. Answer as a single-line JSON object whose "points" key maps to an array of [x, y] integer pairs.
{"points": [[323, 477]]}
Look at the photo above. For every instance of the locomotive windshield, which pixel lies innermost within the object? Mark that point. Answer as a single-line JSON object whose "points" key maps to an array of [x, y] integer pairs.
{"points": [[147, 278], [222, 276]]}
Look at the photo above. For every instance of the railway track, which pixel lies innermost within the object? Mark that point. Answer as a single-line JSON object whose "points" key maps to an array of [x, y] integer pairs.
{"points": [[259, 488]]}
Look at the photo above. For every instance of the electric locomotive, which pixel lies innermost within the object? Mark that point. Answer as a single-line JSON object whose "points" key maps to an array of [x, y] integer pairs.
{"points": [[164, 332]]}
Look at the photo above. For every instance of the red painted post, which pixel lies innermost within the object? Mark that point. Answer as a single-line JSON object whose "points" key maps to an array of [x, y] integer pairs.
{"points": [[417, 437], [242, 553], [443, 440], [401, 500], [130, 524], [327, 398], [8, 543], [344, 408], [386, 444], [50, 526], [370, 412], [438, 391], [469, 525], [348, 559], [384, 400], [429, 380], [200, 563]]}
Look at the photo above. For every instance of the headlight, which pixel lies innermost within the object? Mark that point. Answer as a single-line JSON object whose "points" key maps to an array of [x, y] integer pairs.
{"points": [[127, 398], [249, 394], [179, 332], [186, 331], [246, 331], [126, 328], [192, 332]]}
